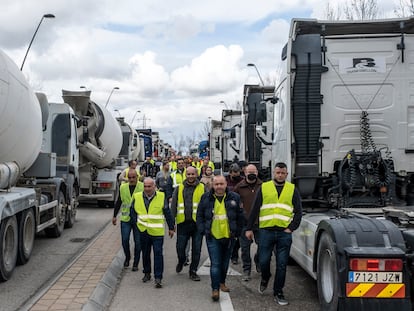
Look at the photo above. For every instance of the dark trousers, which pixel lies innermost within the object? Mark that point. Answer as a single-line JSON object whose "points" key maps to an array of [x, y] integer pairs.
{"points": [[245, 245], [220, 253], [126, 228], [235, 252], [281, 242], [185, 231], [155, 243]]}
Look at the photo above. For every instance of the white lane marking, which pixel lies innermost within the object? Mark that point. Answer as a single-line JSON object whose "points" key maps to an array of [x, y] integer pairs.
{"points": [[205, 269], [225, 300]]}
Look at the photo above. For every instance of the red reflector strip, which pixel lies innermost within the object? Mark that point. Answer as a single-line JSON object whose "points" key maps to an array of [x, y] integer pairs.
{"points": [[105, 185], [375, 290]]}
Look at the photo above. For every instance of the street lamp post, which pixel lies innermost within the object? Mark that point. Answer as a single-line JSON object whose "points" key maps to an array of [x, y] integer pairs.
{"points": [[110, 94], [34, 35], [116, 110], [257, 70], [224, 103], [133, 118]]}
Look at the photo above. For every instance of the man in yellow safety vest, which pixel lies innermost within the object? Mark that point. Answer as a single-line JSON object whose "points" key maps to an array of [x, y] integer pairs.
{"points": [[126, 190], [220, 218], [150, 210], [279, 210], [184, 204]]}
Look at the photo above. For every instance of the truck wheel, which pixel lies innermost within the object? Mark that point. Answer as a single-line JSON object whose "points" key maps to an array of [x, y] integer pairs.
{"points": [[71, 213], [8, 247], [57, 229], [327, 274], [27, 232]]}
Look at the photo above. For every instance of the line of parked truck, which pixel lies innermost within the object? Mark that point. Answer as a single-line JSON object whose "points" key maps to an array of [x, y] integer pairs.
{"points": [[342, 118], [52, 156]]}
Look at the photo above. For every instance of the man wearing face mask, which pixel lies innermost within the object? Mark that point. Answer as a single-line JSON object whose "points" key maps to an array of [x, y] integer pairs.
{"points": [[234, 176], [247, 190]]}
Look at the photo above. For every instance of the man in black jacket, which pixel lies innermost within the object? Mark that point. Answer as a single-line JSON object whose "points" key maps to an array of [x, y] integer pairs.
{"points": [[279, 210], [220, 218]]}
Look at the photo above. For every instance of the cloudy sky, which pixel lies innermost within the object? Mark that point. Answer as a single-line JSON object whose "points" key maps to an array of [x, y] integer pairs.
{"points": [[176, 61]]}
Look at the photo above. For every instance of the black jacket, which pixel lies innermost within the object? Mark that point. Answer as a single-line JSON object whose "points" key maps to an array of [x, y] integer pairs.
{"points": [[234, 213]]}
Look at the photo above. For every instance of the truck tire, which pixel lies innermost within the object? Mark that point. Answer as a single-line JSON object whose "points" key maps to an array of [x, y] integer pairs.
{"points": [[27, 232], [71, 213], [327, 274], [57, 229], [8, 247]]}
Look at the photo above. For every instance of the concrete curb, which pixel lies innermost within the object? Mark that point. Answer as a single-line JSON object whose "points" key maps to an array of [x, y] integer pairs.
{"points": [[106, 288]]}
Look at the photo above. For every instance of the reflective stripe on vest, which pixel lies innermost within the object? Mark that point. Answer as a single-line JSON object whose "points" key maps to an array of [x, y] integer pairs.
{"points": [[198, 192], [275, 210], [177, 178], [152, 220], [220, 227], [126, 199]]}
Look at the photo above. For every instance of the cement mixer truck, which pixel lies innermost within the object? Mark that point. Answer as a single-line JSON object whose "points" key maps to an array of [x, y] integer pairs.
{"points": [[100, 142], [39, 180]]}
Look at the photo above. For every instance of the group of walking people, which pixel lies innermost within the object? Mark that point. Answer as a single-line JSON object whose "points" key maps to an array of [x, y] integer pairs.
{"points": [[266, 212]]}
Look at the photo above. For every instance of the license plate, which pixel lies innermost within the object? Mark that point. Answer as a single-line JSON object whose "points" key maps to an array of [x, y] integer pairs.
{"points": [[374, 277]]}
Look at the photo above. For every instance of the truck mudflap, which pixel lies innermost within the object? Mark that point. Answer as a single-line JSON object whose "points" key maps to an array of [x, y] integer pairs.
{"points": [[357, 243]]}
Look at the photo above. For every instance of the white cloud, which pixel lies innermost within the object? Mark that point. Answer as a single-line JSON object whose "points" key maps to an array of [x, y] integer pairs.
{"points": [[214, 71], [170, 59], [148, 77]]}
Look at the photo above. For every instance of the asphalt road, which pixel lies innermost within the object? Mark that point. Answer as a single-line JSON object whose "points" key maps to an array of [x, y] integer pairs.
{"points": [[180, 293], [50, 256]]}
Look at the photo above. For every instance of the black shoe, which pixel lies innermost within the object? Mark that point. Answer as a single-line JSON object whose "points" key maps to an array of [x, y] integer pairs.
{"points": [[194, 276], [281, 300], [134, 268], [235, 261], [263, 285], [126, 263], [158, 283], [146, 278], [179, 267]]}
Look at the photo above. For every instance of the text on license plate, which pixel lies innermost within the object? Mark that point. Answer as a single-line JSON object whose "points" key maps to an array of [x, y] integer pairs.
{"points": [[375, 277]]}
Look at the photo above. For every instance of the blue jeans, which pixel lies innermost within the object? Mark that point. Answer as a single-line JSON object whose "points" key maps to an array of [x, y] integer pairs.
{"points": [[220, 253], [245, 245], [155, 243], [279, 241], [126, 228], [184, 233]]}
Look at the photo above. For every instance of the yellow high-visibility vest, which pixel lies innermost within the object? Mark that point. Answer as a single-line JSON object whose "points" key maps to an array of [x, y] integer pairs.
{"points": [[152, 220], [220, 227], [178, 178], [198, 192], [275, 210], [126, 199]]}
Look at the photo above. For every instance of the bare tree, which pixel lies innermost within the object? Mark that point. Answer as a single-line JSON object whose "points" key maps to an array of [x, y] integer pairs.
{"points": [[332, 12], [361, 9], [203, 133], [353, 10], [404, 8]]}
